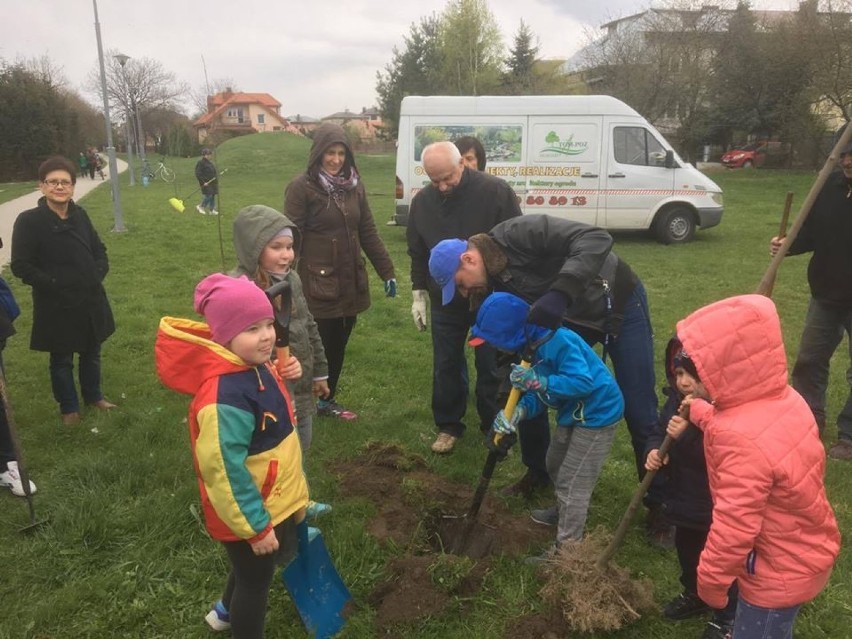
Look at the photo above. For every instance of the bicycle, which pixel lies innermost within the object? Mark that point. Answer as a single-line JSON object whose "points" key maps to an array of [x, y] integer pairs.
{"points": [[161, 171]]}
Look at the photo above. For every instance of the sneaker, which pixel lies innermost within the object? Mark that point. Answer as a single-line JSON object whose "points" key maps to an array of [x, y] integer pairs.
{"points": [[218, 618], [103, 404], [658, 528], [684, 606], [317, 509], [200, 210], [444, 443], [214, 212], [546, 516], [841, 450], [331, 408], [11, 479], [547, 556], [718, 630], [526, 486]]}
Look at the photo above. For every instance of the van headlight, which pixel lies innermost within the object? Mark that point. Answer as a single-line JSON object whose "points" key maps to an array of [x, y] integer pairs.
{"points": [[717, 198]]}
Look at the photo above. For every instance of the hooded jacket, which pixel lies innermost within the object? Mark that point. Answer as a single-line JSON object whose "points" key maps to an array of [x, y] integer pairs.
{"points": [[65, 262], [246, 455], [254, 227], [579, 385], [773, 528], [333, 235], [539, 253], [687, 501]]}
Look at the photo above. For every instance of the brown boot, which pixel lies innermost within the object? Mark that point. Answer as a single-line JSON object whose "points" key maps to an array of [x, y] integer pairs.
{"points": [[841, 450], [69, 419], [103, 404]]}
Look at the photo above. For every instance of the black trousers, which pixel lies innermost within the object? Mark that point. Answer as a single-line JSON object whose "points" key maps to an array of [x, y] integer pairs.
{"points": [[247, 588], [689, 542], [334, 333]]}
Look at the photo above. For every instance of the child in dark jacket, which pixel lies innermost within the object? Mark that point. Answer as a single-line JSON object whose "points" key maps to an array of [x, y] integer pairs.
{"points": [[245, 448], [568, 376], [687, 503]]}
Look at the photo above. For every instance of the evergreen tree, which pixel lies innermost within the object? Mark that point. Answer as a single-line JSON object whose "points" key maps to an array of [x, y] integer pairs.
{"points": [[520, 79]]}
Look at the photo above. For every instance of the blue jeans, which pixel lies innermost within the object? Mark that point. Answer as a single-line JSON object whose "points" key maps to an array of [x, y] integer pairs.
{"points": [[208, 202], [450, 381], [754, 622], [632, 355], [824, 327], [62, 379]]}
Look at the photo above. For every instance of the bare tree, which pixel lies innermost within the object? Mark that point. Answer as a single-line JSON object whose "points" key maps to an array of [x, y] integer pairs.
{"points": [[199, 96], [140, 84]]}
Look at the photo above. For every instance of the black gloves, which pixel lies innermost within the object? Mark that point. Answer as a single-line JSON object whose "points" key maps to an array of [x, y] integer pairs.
{"points": [[547, 311]]}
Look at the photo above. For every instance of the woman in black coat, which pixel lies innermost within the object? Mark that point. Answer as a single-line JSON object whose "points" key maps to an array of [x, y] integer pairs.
{"points": [[56, 250]]}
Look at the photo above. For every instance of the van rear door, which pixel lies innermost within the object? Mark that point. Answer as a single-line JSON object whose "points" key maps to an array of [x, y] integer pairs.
{"points": [[563, 167], [637, 179]]}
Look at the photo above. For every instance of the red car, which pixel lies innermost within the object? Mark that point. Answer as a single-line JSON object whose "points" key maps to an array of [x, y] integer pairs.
{"points": [[746, 157]]}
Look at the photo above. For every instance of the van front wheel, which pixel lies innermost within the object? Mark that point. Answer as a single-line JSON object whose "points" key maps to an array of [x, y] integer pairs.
{"points": [[675, 225]]}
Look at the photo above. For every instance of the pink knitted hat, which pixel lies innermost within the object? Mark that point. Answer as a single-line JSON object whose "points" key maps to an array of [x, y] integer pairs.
{"points": [[230, 305]]}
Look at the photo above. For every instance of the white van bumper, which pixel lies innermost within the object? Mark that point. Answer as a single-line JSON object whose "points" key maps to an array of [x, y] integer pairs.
{"points": [[708, 217]]}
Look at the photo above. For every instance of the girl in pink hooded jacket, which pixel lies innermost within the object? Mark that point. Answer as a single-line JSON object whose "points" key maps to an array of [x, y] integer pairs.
{"points": [[773, 529]]}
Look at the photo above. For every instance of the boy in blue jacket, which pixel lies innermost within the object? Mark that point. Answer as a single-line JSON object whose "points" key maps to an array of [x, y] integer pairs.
{"points": [[568, 376]]}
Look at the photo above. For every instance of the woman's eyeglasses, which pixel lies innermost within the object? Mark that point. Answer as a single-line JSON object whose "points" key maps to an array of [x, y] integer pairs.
{"points": [[66, 184]]}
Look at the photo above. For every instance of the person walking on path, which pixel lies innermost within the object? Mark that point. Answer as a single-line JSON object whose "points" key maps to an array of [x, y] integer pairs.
{"points": [[459, 202], [827, 235], [328, 203], [208, 181], [57, 251]]}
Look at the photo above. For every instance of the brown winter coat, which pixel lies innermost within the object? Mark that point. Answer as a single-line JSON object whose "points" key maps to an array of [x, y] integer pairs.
{"points": [[330, 261]]}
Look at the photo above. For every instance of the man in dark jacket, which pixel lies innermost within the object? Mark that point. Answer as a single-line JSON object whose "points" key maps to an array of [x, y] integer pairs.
{"points": [[827, 234], [208, 180], [458, 203], [569, 275]]}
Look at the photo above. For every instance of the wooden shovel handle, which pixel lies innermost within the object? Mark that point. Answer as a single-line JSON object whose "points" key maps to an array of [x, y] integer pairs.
{"points": [[782, 233]]}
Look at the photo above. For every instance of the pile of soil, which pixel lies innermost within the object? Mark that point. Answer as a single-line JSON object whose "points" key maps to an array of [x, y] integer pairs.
{"points": [[415, 510]]}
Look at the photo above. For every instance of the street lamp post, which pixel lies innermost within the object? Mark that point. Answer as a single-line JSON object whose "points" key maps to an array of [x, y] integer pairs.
{"points": [[122, 60], [118, 215]]}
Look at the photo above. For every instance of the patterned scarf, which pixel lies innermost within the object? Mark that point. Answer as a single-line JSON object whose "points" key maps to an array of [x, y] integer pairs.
{"points": [[337, 185]]}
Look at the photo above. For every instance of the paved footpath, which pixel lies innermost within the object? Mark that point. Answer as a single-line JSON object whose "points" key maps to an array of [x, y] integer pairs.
{"points": [[10, 210]]}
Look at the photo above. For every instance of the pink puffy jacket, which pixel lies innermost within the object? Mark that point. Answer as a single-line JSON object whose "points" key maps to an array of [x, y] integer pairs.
{"points": [[773, 529]]}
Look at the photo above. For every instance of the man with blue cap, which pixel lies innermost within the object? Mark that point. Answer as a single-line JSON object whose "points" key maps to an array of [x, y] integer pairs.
{"points": [[568, 274]]}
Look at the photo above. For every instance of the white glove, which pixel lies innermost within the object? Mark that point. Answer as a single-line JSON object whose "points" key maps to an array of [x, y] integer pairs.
{"points": [[419, 309]]}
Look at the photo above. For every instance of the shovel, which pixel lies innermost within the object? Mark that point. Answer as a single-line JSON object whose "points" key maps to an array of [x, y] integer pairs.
{"points": [[461, 541], [281, 292], [22, 468], [177, 203], [315, 586]]}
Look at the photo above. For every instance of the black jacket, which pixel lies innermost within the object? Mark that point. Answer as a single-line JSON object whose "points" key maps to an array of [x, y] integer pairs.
{"points": [[205, 171], [65, 262], [686, 500], [827, 232], [544, 252], [479, 202]]}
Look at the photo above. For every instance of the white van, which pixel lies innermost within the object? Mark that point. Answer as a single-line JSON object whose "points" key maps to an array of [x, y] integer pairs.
{"points": [[585, 157]]}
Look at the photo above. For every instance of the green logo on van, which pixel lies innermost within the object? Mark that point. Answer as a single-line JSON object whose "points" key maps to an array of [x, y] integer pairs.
{"points": [[564, 147]]}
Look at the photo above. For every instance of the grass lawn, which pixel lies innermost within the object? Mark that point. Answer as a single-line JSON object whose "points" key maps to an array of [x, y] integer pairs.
{"points": [[125, 553], [12, 190]]}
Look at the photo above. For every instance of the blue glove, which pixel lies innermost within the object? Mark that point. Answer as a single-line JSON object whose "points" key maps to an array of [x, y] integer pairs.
{"points": [[547, 311], [390, 288], [527, 379], [505, 425]]}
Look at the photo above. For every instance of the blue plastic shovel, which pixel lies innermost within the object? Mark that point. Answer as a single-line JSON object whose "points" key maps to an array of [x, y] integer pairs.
{"points": [[317, 590]]}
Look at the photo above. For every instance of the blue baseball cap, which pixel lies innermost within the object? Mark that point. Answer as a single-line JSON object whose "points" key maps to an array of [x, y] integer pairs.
{"points": [[502, 322], [443, 264]]}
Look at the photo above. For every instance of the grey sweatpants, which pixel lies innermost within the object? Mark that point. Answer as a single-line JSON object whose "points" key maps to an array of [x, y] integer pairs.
{"points": [[574, 461]]}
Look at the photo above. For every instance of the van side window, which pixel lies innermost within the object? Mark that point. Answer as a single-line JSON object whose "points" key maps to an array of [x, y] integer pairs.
{"points": [[637, 145]]}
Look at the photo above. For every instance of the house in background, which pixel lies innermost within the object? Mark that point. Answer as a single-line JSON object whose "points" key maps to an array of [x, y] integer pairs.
{"points": [[367, 124], [304, 123], [240, 113]]}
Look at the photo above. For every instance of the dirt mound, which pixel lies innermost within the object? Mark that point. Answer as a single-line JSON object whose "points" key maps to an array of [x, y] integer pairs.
{"points": [[417, 510]]}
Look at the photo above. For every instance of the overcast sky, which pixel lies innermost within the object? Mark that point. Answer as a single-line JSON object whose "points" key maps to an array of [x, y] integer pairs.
{"points": [[315, 57]]}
